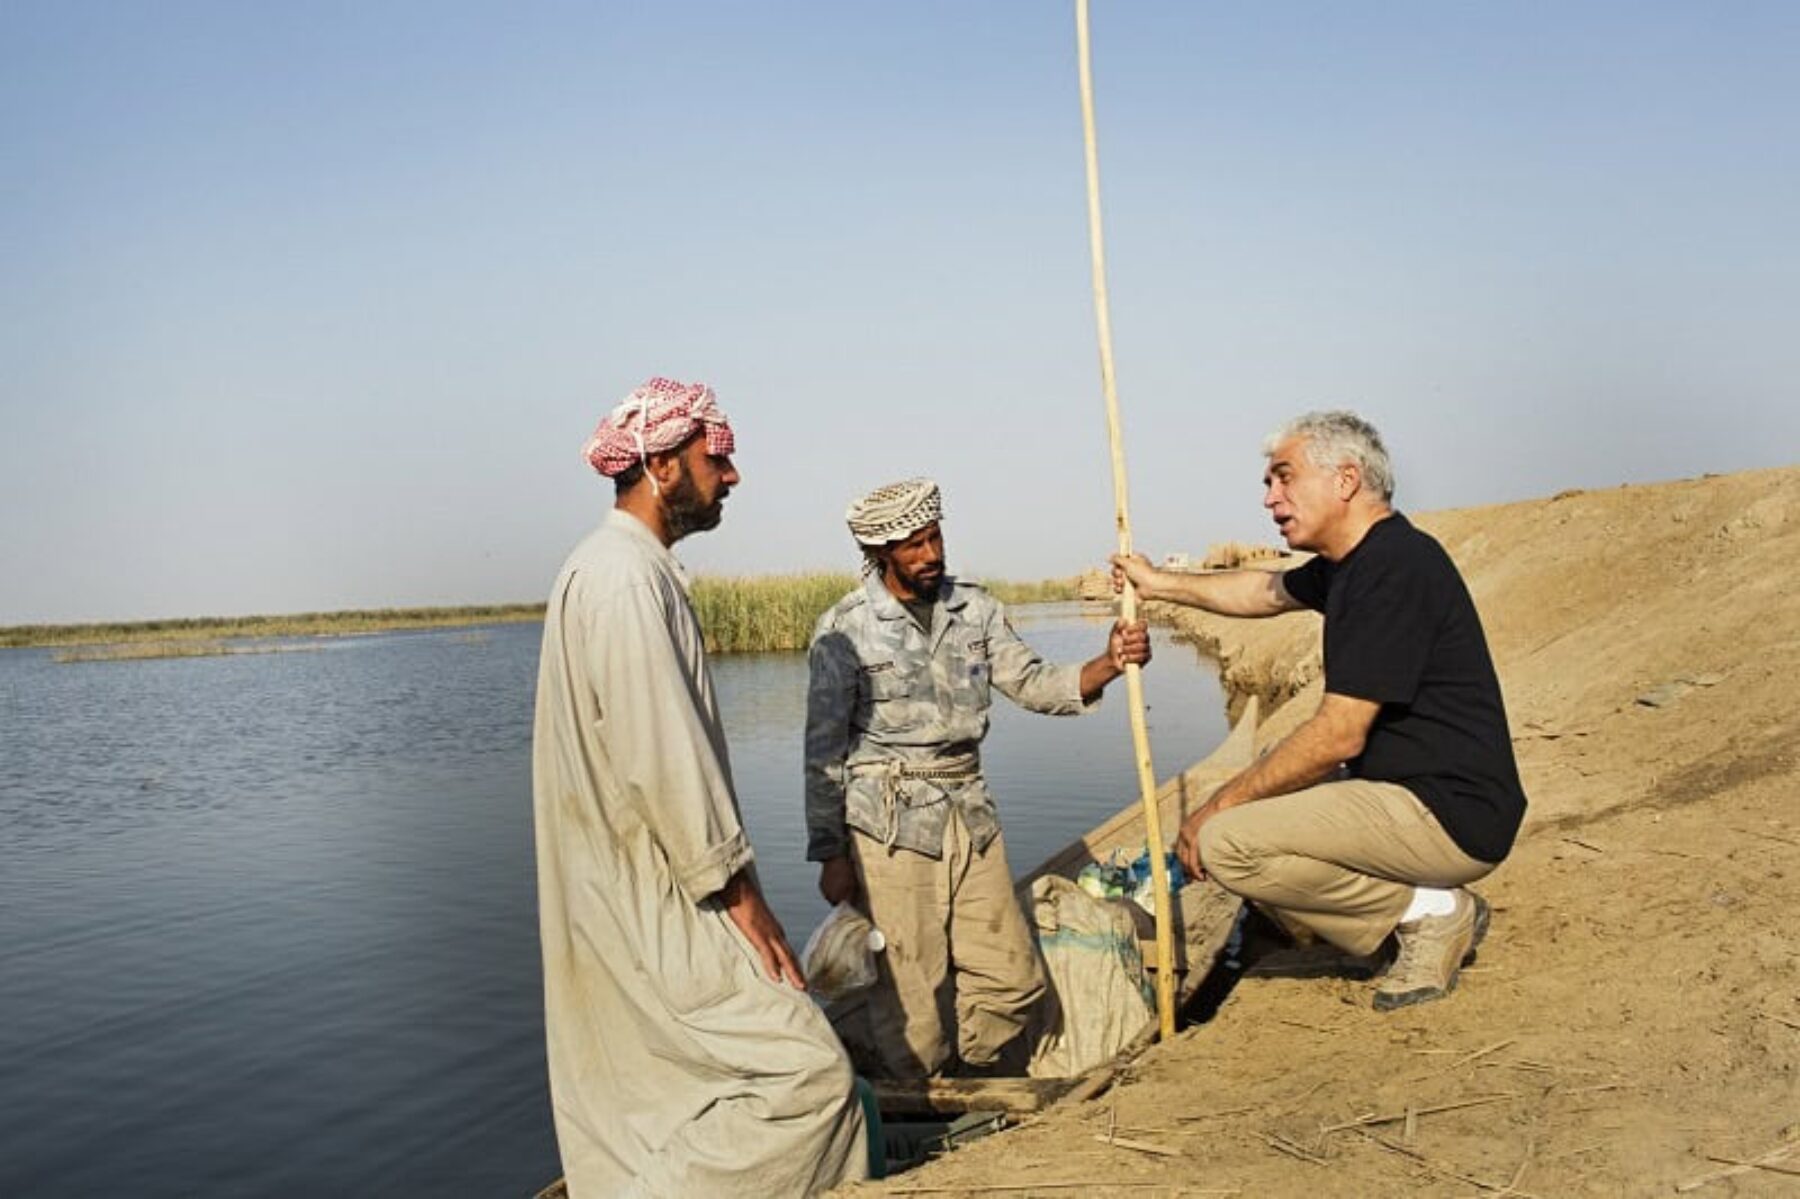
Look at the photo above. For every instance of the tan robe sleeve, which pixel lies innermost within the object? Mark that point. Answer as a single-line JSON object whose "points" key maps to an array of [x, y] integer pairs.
{"points": [[670, 760]]}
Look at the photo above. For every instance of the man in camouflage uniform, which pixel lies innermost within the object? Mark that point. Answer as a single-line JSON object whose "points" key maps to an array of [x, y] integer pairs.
{"points": [[897, 813]]}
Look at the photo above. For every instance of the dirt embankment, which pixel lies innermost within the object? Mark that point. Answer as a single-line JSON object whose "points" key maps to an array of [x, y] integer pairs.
{"points": [[1633, 1025]]}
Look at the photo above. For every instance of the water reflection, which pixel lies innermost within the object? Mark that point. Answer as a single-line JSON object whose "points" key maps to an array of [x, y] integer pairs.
{"points": [[269, 921]]}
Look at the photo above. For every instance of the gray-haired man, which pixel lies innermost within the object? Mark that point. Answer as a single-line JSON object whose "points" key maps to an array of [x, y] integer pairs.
{"points": [[1412, 709], [896, 808]]}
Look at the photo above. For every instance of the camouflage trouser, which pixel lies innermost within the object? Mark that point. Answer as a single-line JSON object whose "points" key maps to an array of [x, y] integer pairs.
{"points": [[960, 960]]}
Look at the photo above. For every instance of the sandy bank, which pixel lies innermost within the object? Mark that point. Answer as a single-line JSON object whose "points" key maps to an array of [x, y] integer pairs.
{"points": [[1634, 1022]]}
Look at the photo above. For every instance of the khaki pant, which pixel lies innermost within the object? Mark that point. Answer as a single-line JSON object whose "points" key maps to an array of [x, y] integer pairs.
{"points": [[959, 954], [1340, 859]]}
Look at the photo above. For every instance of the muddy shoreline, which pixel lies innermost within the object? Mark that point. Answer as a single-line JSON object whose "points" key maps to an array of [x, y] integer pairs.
{"points": [[1633, 1024]]}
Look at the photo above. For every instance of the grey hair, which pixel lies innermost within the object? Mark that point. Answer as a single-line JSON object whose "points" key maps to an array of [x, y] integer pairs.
{"points": [[1340, 438]]}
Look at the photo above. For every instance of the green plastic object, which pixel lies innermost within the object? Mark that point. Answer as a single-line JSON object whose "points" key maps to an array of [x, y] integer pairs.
{"points": [[877, 1140]]}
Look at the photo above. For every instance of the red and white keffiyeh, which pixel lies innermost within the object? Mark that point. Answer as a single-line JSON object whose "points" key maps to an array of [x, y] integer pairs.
{"points": [[657, 417]]}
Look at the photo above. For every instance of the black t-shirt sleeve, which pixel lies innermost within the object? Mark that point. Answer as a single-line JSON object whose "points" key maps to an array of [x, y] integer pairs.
{"points": [[1309, 583], [1382, 629]]}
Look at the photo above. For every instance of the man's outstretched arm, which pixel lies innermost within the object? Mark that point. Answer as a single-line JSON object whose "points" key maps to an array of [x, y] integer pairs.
{"points": [[1228, 593], [1127, 644]]}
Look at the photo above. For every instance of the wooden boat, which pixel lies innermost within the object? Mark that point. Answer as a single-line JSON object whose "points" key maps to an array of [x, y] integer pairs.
{"points": [[1204, 916]]}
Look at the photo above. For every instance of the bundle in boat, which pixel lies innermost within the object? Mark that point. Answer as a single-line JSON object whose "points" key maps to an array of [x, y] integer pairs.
{"points": [[1099, 1015]]}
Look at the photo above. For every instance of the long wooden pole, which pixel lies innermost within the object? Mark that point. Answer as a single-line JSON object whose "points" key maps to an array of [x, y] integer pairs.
{"points": [[1128, 607]]}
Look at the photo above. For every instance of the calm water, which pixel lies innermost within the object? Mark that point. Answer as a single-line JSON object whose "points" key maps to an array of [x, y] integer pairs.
{"points": [[267, 922]]}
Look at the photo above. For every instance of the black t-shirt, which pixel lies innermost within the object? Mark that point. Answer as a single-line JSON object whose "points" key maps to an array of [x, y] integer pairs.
{"points": [[1401, 630]]}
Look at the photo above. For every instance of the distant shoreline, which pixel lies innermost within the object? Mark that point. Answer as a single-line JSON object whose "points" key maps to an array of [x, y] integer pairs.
{"points": [[298, 624], [774, 612]]}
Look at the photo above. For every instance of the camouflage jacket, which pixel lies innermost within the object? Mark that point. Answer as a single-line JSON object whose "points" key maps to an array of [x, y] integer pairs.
{"points": [[888, 702]]}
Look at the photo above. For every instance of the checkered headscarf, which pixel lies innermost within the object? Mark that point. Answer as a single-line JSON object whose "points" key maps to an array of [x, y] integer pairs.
{"points": [[894, 512], [657, 417]]}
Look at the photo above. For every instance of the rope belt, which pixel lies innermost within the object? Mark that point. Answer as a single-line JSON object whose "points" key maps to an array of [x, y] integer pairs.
{"points": [[894, 771]]}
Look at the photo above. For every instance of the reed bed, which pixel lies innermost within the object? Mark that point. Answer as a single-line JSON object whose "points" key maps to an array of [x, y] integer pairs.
{"points": [[776, 613], [766, 613], [1044, 591]]}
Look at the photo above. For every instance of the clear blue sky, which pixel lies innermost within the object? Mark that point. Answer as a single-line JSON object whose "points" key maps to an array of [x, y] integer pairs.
{"points": [[312, 305]]}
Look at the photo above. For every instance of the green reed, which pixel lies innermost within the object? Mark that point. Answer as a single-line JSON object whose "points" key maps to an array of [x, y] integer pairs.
{"points": [[771, 613], [766, 613], [1044, 591]]}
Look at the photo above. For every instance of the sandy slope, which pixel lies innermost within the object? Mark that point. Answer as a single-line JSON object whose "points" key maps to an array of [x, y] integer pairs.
{"points": [[1635, 1014]]}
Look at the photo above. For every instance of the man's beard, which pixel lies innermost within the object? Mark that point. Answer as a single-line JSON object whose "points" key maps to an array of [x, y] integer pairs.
{"points": [[916, 582], [685, 512]]}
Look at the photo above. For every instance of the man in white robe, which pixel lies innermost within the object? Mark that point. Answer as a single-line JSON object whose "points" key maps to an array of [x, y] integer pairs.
{"points": [[685, 1057]]}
